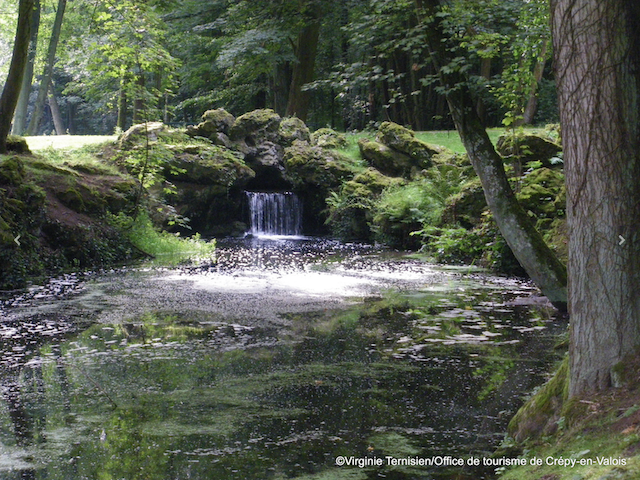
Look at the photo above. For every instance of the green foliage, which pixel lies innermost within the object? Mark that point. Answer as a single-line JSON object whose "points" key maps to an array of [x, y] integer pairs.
{"points": [[457, 246], [124, 53], [141, 233]]}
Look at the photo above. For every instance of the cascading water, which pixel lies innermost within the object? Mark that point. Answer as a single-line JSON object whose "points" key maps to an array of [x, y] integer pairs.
{"points": [[275, 213]]}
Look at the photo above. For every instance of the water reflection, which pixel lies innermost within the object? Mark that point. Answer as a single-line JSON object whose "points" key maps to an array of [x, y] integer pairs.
{"points": [[195, 379]]}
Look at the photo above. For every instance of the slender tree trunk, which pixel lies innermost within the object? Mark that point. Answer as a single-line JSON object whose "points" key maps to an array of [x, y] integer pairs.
{"points": [[122, 105], [306, 49], [138, 102], [58, 122], [597, 59], [45, 81], [485, 72], [20, 118], [11, 90], [525, 241], [538, 70]]}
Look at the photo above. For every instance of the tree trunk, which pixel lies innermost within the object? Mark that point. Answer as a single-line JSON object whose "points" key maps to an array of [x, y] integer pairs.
{"points": [[45, 81], [20, 118], [597, 55], [306, 49], [138, 102], [58, 123], [121, 122], [11, 90], [525, 241], [485, 72], [538, 70]]}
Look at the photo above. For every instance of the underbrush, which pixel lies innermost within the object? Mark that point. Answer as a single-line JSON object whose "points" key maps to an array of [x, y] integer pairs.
{"points": [[141, 232]]}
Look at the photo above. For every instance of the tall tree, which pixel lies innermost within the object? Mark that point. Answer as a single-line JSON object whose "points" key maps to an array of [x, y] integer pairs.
{"points": [[597, 61], [525, 241], [305, 52], [20, 119], [45, 81], [11, 90]]}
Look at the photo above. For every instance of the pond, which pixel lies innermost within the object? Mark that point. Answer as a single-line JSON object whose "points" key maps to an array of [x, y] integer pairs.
{"points": [[283, 358]]}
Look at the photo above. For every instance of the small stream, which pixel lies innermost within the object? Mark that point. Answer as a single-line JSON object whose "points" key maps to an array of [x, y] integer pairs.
{"points": [[271, 362]]}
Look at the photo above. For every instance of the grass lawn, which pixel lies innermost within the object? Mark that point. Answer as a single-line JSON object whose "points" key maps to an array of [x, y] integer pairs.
{"points": [[66, 141]]}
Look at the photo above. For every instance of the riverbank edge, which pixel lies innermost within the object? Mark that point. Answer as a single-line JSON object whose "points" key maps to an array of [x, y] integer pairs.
{"points": [[55, 218], [596, 437]]}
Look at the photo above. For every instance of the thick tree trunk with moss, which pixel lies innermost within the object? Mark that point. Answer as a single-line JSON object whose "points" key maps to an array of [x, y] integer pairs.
{"points": [[11, 89], [525, 241], [597, 61], [306, 49]]}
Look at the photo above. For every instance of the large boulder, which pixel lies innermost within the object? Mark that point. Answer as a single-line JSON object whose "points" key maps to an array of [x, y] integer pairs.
{"points": [[215, 126], [403, 140], [529, 148], [387, 160], [256, 127], [208, 165], [291, 129], [306, 164], [328, 138]]}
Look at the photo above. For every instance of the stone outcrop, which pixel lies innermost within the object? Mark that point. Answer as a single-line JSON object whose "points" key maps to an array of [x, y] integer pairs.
{"points": [[529, 148], [397, 152]]}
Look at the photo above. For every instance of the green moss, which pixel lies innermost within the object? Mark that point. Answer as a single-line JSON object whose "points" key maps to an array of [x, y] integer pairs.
{"points": [[17, 144], [386, 159], [542, 412], [528, 148], [292, 128], [310, 165], [404, 140], [258, 123], [12, 171], [329, 138]]}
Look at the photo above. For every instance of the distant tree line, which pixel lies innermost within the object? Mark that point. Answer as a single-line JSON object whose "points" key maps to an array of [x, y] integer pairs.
{"points": [[97, 66]]}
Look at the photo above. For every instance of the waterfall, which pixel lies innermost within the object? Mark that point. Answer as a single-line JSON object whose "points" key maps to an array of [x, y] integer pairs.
{"points": [[275, 213]]}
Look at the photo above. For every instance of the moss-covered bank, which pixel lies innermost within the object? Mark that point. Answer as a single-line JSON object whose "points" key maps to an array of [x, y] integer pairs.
{"points": [[590, 438], [53, 218]]}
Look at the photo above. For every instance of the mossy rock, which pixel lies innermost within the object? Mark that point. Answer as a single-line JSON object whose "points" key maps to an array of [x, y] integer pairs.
{"points": [[136, 134], [12, 171], [256, 126], [403, 140], [291, 129], [540, 415], [329, 138], [306, 164], [467, 206], [385, 159], [218, 120], [375, 181], [215, 126], [543, 192], [17, 144], [528, 148], [212, 165]]}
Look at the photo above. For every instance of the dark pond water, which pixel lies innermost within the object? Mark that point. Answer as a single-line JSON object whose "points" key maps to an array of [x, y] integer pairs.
{"points": [[273, 362]]}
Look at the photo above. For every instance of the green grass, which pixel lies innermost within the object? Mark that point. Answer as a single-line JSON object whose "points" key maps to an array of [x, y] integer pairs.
{"points": [[44, 142], [165, 247]]}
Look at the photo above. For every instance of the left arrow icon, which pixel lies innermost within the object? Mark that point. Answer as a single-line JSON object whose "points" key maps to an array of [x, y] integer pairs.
{"points": [[17, 240]]}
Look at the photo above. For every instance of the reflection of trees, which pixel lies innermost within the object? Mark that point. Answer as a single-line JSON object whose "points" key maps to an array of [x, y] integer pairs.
{"points": [[22, 382]]}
